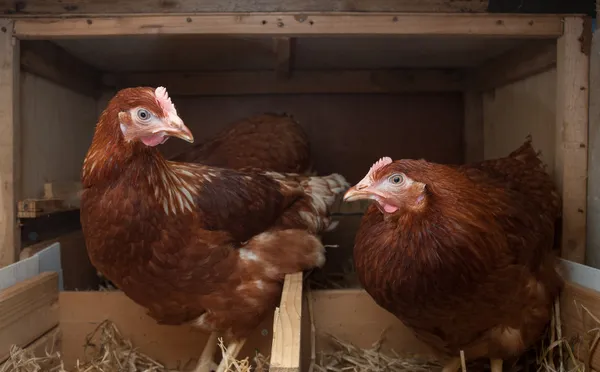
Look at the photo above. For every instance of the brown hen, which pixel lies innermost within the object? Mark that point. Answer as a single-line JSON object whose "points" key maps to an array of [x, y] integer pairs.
{"points": [[462, 255], [194, 243], [274, 142]]}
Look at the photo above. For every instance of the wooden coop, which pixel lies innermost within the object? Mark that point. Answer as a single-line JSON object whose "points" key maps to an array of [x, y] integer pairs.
{"points": [[449, 87]]}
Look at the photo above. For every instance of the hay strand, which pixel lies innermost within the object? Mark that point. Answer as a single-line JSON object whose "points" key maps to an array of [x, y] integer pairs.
{"points": [[106, 350]]}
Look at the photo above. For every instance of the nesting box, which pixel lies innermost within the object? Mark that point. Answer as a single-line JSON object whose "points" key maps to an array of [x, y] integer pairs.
{"points": [[447, 87]]}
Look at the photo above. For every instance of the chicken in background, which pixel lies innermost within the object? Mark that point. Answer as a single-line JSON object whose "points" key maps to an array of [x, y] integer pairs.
{"points": [[268, 141], [194, 243], [462, 255]]}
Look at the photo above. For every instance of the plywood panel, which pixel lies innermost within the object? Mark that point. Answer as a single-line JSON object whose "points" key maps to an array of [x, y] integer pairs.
{"points": [[517, 110], [57, 129], [347, 132], [593, 232], [175, 346]]}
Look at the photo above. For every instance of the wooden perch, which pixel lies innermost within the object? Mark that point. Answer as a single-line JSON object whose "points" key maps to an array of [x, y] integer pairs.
{"points": [[58, 197]]}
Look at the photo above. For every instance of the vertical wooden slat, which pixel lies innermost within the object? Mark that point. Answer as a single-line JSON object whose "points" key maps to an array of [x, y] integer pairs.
{"points": [[9, 143], [473, 129], [285, 352], [572, 66]]}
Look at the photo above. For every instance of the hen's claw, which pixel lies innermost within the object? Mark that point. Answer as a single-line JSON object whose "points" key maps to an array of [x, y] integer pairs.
{"points": [[233, 349], [206, 362]]}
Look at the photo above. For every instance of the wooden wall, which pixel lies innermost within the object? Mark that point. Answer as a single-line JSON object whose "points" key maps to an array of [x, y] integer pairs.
{"points": [[516, 110], [593, 207], [57, 128], [348, 133]]}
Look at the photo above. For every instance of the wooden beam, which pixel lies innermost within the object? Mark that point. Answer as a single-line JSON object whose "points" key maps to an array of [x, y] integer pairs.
{"points": [[473, 129], [293, 24], [572, 95], [52, 62], [302, 82], [517, 64], [10, 243], [83, 7], [28, 310], [284, 48], [285, 350]]}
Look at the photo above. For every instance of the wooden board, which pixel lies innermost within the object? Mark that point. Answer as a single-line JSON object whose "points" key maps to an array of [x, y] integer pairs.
{"points": [[41, 7], [57, 128], [10, 161], [302, 82], [285, 352], [28, 310], [175, 346], [532, 104], [519, 26], [572, 115]]}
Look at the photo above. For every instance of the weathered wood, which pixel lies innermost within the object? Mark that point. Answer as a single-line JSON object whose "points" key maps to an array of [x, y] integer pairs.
{"points": [[473, 130], [514, 65], [285, 352], [28, 310], [9, 144], [572, 66], [284, 48], [290, 24], [45, 7], [33, 208], [50, 61], [265, 82]]}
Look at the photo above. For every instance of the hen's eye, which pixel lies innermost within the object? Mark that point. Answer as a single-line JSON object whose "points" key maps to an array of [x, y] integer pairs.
{"points": [[396, 179], [143, 114]]}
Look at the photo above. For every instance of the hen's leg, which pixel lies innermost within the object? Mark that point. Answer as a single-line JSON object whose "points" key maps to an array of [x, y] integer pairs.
{"points": [[496, 365], [206, 362], [452, 365], [233, 349]]}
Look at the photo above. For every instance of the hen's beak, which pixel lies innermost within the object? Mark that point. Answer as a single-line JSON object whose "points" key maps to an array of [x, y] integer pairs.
{"points": [[176, 128], [361, 190]]}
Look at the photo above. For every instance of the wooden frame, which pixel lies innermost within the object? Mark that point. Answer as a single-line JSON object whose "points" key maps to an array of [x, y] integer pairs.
{"points": [[81, 8], [570, 55]]}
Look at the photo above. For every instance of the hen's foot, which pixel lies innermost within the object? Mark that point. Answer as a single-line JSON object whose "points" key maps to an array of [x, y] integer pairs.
{"points": [[206, 363], [233, 349]]}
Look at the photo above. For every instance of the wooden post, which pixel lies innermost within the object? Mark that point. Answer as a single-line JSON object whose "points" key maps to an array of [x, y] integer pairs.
{"points": [[473, 127], [9, 144], [572, 70], [285, 350]]}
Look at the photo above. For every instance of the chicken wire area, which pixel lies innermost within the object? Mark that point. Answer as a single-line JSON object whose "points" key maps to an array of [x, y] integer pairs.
{"points": [[450, 90]]}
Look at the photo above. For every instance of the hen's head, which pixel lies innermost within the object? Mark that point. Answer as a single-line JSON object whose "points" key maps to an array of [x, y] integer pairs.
{"points": [[146, 115], [394, 186]]}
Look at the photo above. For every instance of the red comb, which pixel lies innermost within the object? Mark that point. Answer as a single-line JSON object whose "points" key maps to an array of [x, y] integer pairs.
{"points": [[379, 164], [164, 100]]}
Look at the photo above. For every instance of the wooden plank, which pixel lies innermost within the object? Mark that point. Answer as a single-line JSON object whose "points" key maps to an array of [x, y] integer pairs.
{"points": [[81, 7], [284, 48], [514, 65], [302, 82], [51, 62], [579, 306], [177, 347], [9, 144], [293, 24], [473, 130], [285, 352], [572, 65], [28, 310]]}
